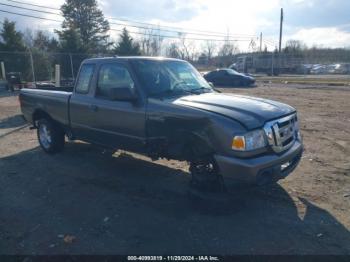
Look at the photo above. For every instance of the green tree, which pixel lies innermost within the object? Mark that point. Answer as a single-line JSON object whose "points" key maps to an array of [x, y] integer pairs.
{"points": [[70, 41], [85, 22], [43, 58], [11, 39], [44, 42], [14, 57], [126, 45]]}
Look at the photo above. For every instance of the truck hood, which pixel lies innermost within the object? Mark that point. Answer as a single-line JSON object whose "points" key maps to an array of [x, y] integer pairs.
{"points": [[251, 112]]}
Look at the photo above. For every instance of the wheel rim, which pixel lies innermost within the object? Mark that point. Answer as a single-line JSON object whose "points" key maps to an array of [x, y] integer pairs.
{"points": [[45, 136]]}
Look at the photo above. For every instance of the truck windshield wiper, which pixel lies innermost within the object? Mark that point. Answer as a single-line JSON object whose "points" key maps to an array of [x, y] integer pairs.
{"points": [[176, 91], [201, 89], [168, 92]]}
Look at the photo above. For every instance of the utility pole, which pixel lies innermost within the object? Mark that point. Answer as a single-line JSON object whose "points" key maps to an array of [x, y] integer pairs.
{"points": [[57, 76], [281, 29], [71, 65], [32, 66], [260, 42], [3, 72]]}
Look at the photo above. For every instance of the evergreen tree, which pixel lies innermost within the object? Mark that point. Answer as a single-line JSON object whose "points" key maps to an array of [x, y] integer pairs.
{"points": [[44, 42], [85, 22], [70, 42], [44, 61], [11, 39], [126, 45]]}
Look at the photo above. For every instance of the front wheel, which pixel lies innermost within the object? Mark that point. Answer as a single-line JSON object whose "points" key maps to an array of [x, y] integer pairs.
{"points": [[50, 136], [206, 176]]}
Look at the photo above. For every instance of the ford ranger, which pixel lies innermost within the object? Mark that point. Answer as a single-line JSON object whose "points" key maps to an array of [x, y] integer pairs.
{"points": [[164, 108]]}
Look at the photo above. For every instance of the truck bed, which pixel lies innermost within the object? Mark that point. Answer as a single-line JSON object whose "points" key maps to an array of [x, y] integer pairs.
{"points": [[55, 102]]}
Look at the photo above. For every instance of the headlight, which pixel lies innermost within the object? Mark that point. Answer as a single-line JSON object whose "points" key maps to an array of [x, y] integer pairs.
{"points": [[250, 141]]}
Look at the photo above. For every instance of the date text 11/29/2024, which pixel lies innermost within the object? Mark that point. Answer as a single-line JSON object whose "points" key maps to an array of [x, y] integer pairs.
{"points": [[173, 258]]}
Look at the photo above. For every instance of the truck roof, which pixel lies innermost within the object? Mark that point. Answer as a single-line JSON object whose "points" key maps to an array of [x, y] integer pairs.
{"points": [[128, 58]]}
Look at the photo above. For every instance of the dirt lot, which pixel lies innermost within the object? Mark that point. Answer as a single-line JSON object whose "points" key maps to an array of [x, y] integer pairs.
{"points": [[87, 202]]}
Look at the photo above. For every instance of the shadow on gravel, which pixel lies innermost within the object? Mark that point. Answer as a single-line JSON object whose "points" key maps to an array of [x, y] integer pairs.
{"points": [[125, 205], [12, 122]]}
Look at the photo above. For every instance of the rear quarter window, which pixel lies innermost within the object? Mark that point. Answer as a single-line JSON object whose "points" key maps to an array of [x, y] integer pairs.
{"points": [[85, 76]]}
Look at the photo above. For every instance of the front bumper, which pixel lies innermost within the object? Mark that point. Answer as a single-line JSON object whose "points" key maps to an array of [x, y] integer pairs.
{"points": [[260, 170]]}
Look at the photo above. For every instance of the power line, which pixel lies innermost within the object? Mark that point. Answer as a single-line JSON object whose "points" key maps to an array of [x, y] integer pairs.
{"points": [[187, 38], [180, 28], [30, 4], [172, 31], [32, 16], [48, 52], [121, 24], [30, 9], [139, 33], [183, 30], [270, 42]]}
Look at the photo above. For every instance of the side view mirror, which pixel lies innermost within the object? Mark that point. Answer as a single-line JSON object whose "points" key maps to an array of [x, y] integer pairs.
{"points": [[123, 93]]}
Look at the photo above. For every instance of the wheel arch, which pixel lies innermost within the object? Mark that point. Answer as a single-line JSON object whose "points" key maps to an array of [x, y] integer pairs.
{"points": [[40, 114], [196, 146]]}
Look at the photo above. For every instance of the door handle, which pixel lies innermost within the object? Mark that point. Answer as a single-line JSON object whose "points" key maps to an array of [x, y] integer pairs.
{"points": [[93, 108]]}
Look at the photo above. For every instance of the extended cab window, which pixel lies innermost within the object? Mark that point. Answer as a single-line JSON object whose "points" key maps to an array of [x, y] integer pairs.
{"points": [[85, 75], [113, 76]]}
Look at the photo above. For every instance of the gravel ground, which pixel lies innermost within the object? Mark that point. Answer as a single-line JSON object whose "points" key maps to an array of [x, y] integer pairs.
{"points": [[85, 201]]}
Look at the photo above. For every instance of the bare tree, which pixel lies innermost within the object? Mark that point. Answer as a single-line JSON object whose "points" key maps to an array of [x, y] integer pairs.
{"points": [[294, 46], [183, 46], [210, 48], [151, 42], [228, 49], [187, 48], [173, 50], [226, 52]]}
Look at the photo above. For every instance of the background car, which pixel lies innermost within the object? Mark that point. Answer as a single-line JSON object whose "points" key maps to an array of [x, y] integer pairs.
{"points": [[229, 77]]}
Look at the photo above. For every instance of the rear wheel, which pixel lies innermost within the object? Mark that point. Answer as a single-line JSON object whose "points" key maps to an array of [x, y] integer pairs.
{"points": [[206, 176], [50, 136]]}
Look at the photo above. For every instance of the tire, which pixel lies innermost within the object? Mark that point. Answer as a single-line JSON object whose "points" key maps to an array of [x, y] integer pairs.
{"points": [[206, 176], [50, 136]]}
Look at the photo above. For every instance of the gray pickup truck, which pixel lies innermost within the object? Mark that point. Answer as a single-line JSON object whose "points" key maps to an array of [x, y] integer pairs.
{"points": [[164, 108]]}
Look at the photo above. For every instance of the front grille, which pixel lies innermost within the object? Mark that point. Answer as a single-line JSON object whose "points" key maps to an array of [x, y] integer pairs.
{"points": [[282, 133]]}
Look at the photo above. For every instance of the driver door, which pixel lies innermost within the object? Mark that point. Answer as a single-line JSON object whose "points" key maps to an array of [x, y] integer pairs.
{"points": [[119, 124]]}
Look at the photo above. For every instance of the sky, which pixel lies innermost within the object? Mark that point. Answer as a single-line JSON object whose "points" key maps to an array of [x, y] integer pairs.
{"points": [[323, 23]]}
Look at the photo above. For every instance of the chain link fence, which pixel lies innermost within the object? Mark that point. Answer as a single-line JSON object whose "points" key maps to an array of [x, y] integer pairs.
{"points": [[273, 63], [38, 66]]}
